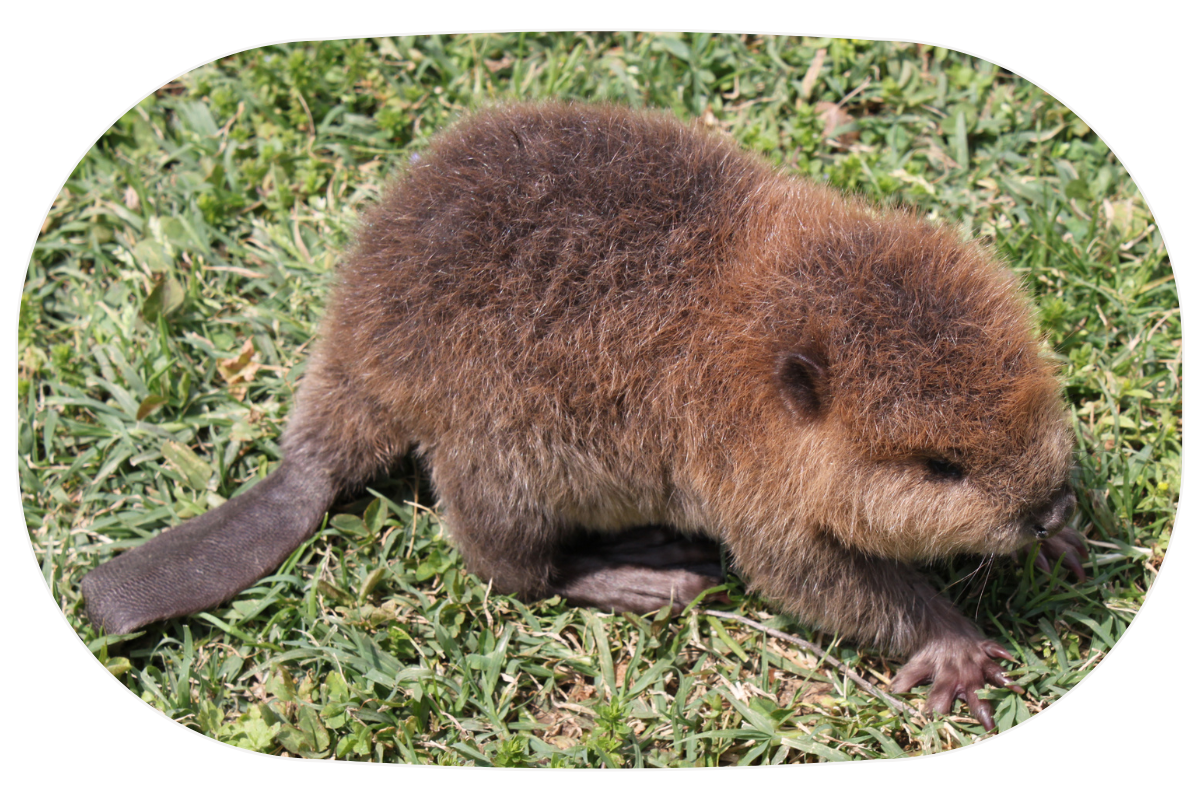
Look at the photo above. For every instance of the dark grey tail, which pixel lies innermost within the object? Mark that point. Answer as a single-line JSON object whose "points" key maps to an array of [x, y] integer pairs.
{"points": [[207, 560]]}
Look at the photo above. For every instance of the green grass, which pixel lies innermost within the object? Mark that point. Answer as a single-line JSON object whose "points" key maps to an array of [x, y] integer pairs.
{"points": [[173, 294]]}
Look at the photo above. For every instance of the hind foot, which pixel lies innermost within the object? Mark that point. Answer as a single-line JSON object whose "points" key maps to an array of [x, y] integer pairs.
{"points": [[639, 571]]}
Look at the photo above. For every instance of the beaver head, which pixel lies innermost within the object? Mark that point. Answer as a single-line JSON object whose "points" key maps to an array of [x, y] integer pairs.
{"points": [[932, 420]]}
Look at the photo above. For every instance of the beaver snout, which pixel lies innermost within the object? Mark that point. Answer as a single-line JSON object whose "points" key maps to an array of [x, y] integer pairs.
{"points": [[1050, 518]]}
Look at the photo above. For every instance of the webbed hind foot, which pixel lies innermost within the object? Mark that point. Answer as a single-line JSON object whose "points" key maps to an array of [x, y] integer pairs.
{"points": [[639, 571]]}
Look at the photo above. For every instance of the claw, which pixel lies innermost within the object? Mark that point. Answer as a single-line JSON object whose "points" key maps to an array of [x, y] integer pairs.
{"points": [[994, 650], [980, 708], [1071, 562], [1072, 537]]}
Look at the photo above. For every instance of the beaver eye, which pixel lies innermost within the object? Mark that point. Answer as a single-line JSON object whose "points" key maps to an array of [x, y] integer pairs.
{"points": [[940, 468]]}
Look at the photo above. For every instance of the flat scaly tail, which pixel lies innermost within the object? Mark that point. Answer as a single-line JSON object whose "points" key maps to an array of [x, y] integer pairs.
{"points": [[207, 560]]}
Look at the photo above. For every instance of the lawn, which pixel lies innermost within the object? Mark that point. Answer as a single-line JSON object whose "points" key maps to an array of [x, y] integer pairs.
{"points": [[171, 302]]}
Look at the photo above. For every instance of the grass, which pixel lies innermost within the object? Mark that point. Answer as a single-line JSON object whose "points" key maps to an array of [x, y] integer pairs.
{"points": [[173, 294]]}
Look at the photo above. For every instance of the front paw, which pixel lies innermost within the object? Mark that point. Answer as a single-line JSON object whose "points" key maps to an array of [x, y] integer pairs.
{"points": [[957, 668], [1068, 545]]}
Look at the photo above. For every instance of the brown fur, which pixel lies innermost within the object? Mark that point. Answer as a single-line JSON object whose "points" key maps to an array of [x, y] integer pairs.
{"points": [[591, 319], [574, 313]]}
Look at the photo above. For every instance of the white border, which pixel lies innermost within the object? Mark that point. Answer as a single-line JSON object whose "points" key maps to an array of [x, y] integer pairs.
{"points": [[72, 69]]}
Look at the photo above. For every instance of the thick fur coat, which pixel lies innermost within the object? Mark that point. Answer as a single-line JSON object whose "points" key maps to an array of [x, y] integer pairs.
{"points": [[590, 319]]}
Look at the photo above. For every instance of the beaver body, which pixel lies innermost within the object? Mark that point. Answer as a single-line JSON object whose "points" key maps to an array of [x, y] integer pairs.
{"points": [[594, 325]]}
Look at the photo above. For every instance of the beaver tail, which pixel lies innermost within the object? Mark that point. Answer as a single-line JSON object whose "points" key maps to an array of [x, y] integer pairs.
{"points": [[207, 560]]}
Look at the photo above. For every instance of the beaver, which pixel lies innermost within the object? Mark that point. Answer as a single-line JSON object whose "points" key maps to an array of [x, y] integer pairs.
{"points": [[614, 339]]}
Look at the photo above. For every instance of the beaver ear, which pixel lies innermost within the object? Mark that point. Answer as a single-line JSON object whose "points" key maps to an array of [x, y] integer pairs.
{"points": [[801, 378]]}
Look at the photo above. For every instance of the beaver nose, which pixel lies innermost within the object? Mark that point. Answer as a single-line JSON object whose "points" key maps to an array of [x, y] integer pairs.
{"points": [[1050, 518]]}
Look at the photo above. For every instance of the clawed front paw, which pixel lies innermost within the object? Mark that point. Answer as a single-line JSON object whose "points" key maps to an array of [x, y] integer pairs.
{"points": [[957, 668], [1066, 544]]}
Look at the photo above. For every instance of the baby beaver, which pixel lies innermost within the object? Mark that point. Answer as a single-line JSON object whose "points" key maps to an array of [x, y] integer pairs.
{"points": [[597, 327]]}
